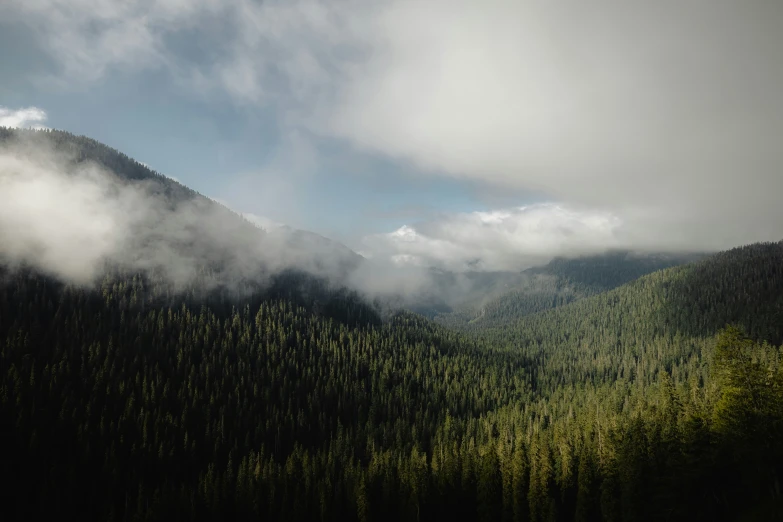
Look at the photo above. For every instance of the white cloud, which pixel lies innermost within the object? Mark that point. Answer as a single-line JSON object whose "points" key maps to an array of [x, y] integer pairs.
{"points": [[256, 52], [61, 222], [68, 218], [261, 221], [26, 117], [509, 239], [646, 110], [665, 114], [88, 37]]}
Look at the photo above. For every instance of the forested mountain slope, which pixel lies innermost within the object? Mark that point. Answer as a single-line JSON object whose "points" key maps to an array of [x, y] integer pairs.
{"points": [[123, 398], [561, 281], [125, 403], [657, 322]]}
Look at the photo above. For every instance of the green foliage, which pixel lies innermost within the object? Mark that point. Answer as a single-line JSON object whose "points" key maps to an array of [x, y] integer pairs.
{"points": [[203, 408], [560, 282], [294, 401]]}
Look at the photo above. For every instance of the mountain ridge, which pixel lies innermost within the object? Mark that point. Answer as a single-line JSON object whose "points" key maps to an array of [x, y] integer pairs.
{"points": [[133, 398], [437, 293], [562, 281]]}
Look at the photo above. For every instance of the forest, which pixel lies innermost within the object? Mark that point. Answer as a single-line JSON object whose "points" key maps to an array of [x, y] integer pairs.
{"points": [[648, 395]]}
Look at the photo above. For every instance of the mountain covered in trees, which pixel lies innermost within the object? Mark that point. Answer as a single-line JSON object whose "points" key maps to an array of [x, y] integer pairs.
{"points": [[462, 299], [291, 398], [502, 297]]}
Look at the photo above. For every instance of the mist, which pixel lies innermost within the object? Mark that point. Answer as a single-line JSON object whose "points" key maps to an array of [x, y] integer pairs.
{"points": [[70, 218], [73, 219]]}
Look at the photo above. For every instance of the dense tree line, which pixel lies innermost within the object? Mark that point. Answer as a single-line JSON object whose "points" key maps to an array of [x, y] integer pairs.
{"points": [[558, 283], [661, 321], [130, 402]]}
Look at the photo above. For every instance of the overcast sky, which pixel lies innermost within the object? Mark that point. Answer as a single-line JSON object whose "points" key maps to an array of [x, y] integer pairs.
{"points": [[430, 131]]}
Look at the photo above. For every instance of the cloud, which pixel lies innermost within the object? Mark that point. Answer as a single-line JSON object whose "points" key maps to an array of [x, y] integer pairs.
{"points": [[28, 117], [517, 238], [50, 219], [73, 218], [261, 221], [512, 239], [70, 218], [665, 115], [89, 37], [255, 52]]}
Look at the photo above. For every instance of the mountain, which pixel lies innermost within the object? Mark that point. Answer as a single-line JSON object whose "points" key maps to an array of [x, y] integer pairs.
{"points": [[181, 232], [335, 257], [169, 226], [460, 299], [129, 397], [115, 403], [561, 281], [664, 316], [330, 257]]}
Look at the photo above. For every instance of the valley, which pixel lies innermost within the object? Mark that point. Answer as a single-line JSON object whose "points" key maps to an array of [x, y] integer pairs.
{"points": [[251, 374]]}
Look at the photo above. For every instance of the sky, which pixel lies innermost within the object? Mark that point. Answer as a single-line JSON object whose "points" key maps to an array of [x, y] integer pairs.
{"points": [[487, 134]]}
